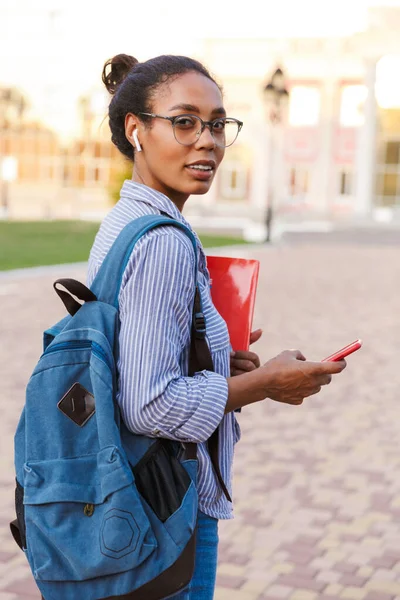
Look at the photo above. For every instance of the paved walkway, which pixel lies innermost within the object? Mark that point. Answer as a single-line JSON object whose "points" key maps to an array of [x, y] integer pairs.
{"points": [[317, 487]]}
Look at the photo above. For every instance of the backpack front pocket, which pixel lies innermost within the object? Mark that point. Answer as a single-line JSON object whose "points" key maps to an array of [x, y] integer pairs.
{"points": [[168, 486], [84, 517]]}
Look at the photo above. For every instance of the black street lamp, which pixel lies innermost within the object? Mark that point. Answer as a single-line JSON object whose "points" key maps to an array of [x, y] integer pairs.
{"points": [[276, 98]]}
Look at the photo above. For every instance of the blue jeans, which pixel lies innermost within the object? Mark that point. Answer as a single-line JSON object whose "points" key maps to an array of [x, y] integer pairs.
{"points": [[202, 584]]}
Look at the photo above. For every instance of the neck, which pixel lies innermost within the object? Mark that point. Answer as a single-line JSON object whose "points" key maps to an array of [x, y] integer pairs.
{"points": [[177, 198]]}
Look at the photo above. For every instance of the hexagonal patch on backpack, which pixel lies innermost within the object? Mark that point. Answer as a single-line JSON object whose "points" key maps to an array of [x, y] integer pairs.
{"points": [[119, 533]]}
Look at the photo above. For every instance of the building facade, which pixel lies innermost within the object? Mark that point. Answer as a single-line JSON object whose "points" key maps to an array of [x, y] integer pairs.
{"points": [[51, 177], [336, 155]]}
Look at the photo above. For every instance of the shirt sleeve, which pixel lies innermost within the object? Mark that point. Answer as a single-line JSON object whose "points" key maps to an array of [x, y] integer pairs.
{"points": [[155, 398]]}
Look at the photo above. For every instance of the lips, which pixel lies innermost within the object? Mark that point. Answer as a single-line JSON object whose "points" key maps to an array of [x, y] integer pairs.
{"points": [[202, 170], [202, 165]]}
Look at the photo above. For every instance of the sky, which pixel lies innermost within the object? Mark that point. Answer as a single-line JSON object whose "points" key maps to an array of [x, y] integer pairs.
{"points": [[55, 49]]}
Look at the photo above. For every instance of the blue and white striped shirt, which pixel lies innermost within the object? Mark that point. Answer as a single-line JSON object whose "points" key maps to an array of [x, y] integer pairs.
{"points": [[156, 396]]}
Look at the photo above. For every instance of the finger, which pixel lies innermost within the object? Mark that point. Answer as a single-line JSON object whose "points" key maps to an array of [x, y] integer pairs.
{"points": [[235, 372], [342, 363], [297, 354], [296, 401], [290, 399], [246, 355], [333, 367], [243, 365], [255, 335], [314, 391]]}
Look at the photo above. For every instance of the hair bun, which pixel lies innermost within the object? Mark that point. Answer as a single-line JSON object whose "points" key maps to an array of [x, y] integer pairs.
{"points": [[116, 69]]}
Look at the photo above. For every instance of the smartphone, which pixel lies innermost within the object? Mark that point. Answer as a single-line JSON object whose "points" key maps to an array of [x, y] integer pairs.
{"points": [[344, 352]]}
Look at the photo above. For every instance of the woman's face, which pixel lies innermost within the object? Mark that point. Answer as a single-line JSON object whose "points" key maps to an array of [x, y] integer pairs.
{"points": [[166, 165]]}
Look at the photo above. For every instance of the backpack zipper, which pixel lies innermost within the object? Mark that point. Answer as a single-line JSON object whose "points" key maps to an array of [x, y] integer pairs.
{"points": [[82, 345]]}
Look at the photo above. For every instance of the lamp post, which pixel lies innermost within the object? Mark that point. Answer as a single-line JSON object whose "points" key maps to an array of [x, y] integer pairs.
{"points": [[276, 98]]}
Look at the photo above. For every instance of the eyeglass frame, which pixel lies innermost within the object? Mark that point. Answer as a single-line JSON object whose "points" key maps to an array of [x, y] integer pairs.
{"points": [[204, 124]]}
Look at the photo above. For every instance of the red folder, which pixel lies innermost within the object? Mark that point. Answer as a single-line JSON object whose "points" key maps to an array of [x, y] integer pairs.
{"points": [[233, 291]]}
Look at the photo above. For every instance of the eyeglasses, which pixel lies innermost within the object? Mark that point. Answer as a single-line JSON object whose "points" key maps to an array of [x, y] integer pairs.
{"points": [[188, 128]]}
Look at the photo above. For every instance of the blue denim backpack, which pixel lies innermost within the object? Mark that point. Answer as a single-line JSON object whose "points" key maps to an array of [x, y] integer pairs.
{"points": [[103, 513]]}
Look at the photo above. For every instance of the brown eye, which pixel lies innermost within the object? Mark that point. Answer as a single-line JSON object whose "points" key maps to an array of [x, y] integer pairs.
{"points": [[185, 123], [219, 125]]}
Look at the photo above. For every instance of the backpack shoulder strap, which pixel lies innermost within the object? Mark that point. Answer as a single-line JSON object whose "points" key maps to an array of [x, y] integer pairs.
{"points": [[107, 283], [106, 286]]}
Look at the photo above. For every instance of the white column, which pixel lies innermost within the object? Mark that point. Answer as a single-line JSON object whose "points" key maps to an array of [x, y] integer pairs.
{"points": [[259, 169], [259, 181], [366, 148], [277, 171], [326, 166]]}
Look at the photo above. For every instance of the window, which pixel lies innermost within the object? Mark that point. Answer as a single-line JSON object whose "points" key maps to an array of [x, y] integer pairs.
{"points": [[69, 173], [387, 81], [96, 171], [304, 107], [352, 100], [298, 181], [81, 174], [233, 180], [392, 153], [388, 174], [297, 187], [345, 183]]}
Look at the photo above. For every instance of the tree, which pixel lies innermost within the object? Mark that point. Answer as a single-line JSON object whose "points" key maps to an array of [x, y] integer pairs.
{"points": [[124, 172], [13, 105]]}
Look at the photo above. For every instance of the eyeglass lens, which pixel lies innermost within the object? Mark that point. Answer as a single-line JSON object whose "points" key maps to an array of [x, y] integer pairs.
{"points": [[187, 130]]}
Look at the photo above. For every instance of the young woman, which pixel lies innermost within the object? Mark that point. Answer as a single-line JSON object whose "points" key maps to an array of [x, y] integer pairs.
{"points": [[167, 116]]}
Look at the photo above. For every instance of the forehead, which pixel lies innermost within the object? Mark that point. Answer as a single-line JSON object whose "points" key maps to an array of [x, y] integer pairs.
{"points": [[190, 88]]}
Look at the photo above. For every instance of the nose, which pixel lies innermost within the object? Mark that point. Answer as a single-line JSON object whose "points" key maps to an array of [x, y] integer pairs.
{"points": [[205, 139]]}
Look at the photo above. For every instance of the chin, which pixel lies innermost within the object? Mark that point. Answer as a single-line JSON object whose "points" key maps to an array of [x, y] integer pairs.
{"points": [[199, 193], [200, 188]]}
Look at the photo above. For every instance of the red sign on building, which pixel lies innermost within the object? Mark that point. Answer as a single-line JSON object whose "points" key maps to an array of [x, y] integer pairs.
{"points": [[301, 144], [345, 142]]}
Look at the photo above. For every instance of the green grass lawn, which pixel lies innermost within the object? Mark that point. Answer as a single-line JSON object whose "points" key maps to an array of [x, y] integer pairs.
{"points": [[32, 244]]}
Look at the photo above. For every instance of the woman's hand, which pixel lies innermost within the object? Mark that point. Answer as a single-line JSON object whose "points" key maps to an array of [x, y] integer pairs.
{"points": [[287, 378], [290, 378], [245, 361]]}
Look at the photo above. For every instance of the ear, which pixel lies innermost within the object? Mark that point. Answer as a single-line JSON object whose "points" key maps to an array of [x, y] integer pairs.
{"points": [[131, 125]]}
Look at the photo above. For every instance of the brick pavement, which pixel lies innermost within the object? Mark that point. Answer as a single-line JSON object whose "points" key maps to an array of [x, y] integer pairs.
{"points": [[317, 487]]}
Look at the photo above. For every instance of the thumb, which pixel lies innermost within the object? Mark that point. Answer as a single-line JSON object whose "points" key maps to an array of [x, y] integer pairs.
{"points": [[255, 336]]}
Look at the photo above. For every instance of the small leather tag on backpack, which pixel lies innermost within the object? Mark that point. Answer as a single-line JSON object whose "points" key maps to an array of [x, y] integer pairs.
{"points": [[78, 404]]}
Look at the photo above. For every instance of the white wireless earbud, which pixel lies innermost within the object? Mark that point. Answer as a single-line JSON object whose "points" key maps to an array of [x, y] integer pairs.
{"points": [[136, 140]]}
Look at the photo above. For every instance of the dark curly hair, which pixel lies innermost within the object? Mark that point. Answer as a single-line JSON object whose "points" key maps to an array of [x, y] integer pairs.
{"points": [[133, 85]]}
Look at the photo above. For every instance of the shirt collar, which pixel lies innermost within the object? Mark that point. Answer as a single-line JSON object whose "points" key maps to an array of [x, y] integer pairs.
{"points": [[142, 193]]}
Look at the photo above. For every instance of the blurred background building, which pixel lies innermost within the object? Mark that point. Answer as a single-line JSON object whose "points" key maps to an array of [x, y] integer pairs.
{"points": [[336, 151], [331, 153], [46, 176]]}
